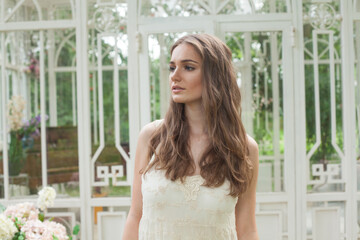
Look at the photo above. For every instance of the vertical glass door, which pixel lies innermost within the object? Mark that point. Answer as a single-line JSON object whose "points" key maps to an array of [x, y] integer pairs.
{"points": [[261, 56]]}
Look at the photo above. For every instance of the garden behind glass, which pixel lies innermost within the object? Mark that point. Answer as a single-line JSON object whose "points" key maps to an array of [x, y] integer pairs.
{"points": [[79, 79]]}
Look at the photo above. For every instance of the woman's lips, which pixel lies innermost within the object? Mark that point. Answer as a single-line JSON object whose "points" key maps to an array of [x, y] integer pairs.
{"points": [[177, 89]]}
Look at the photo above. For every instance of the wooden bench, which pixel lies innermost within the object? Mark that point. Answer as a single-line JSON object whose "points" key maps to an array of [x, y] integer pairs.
{"points": [[62, 158]]}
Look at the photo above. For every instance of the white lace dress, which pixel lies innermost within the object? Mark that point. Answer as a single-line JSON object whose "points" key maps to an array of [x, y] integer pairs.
{"points": [[175, 210]]}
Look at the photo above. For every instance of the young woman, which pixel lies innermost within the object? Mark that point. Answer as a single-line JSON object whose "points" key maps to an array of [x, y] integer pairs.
{"points": [[196, 170]]}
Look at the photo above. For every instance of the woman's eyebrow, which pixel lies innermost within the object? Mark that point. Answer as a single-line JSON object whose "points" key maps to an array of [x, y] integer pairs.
{"points": [[185, 60]]}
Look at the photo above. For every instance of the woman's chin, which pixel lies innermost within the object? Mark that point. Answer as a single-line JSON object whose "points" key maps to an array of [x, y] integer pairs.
{"points": [[178, 100]]}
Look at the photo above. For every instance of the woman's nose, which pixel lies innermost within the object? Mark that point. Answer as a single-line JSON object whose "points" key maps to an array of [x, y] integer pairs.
{"points": [[175, 75]]}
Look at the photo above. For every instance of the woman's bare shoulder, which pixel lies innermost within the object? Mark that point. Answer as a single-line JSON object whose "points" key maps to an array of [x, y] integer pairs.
{"points": [[253, 146], [143, 146], [148, 130]]}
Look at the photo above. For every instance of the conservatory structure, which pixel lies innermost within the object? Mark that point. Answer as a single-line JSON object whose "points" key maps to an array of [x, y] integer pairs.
{"points": [[86, 75]]}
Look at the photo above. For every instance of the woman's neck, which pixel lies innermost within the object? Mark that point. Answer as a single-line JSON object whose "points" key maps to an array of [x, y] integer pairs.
{"points": [[196, 119]]}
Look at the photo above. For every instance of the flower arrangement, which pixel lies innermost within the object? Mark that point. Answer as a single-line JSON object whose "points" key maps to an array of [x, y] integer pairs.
{"points": [[16, 120], [22, 133], [24, 221]]}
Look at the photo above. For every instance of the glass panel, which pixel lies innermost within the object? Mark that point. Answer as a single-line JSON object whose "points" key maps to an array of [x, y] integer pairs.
{"points": [[23, 74], [23, 50], [322, 216], [184, 8], [257, 58], [109, 100], [323, 89], [62, 138], [42, 10], [61, 11], [24, 12], [254, 7]]}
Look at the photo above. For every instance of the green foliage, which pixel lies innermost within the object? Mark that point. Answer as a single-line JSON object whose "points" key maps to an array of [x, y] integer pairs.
{"points": [[76, 229], [41, 216], [64, 98], [19, 236], [18, 224], [16, 154]]}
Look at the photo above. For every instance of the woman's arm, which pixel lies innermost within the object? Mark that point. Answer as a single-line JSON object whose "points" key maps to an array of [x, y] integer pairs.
{"points": [[245, 207], [141, 161]]}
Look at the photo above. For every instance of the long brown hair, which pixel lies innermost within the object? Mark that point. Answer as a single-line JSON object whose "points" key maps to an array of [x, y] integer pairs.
{"points": [[226, 156]]}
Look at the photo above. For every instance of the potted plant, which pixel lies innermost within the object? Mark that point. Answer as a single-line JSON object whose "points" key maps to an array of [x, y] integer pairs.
{"points": [[22, 134]]}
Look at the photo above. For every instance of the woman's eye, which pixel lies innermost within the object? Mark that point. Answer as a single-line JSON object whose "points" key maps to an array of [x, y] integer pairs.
{"points": [[189, 68], [171, 69]]}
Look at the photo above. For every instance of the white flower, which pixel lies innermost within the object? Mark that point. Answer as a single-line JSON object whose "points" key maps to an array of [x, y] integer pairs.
{"points": [[46, 198], [7, 228], [15, 112]]}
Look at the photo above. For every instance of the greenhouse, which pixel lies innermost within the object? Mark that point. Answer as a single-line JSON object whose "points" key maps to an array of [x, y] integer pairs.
{"points": [[81, 78]]}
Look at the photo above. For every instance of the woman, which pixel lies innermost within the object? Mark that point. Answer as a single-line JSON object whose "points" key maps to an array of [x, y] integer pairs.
{"points": [[196, 171]]}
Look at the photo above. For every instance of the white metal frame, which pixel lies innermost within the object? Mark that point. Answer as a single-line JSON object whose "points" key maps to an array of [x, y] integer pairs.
{"points": [[318, 168], [103, 171]]}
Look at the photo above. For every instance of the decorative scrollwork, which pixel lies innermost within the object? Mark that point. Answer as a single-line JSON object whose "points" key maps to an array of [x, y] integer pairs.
{"points": [[321, 16], [107, 19], [328, 175], [102, 172]]}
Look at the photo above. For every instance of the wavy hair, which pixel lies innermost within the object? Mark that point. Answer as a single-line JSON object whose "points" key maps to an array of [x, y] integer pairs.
{"points": [[226, 156]]}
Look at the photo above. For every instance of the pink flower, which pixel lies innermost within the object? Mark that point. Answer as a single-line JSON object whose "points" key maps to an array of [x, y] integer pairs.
{"points": [[22, 211], [35, 230], [53, 228]]}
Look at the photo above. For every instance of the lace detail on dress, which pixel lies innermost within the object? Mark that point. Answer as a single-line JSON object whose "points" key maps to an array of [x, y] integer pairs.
{"points": [[185, 211], [191, 186]]}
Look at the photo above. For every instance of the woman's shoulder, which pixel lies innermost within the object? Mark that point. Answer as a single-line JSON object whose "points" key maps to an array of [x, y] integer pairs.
{"points": [[252, 145], [149, 129], [251, 141]]}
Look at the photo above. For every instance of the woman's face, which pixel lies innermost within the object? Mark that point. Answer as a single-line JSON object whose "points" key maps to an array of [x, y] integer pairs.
{"points": [[186, 75]]}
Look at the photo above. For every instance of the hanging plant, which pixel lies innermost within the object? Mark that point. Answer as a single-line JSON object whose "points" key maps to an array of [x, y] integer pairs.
{"points": [[33, 68]]}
